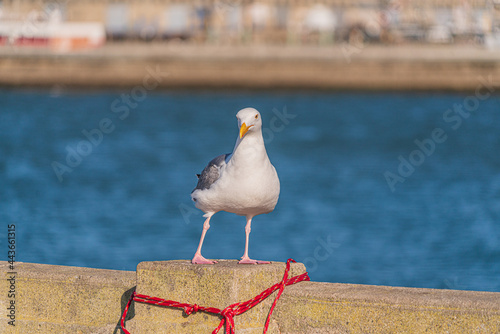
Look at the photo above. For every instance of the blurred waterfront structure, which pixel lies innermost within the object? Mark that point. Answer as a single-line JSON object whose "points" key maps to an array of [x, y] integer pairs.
{"points": [[274, 22]]}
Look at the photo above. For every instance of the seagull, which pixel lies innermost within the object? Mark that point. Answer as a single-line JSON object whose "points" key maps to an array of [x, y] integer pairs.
{"points": [[243, 182]]}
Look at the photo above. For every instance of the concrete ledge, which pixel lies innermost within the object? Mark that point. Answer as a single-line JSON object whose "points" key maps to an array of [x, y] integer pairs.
{"points": [[218, 286], [59, 299], [312, 307]]}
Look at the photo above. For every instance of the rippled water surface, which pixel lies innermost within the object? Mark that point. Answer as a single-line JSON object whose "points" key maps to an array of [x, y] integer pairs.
{"points": [[376, 188]]}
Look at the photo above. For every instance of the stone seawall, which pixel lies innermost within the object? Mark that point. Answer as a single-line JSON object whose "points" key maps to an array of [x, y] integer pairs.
{"points": [[60, 299], [188, 66]]}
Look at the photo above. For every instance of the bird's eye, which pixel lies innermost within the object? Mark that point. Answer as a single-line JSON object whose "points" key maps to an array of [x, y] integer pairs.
{"points": [[256, 116]]}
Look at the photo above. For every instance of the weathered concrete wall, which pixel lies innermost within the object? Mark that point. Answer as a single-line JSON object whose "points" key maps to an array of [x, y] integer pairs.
{"points": [[211, 286], [339, 67], [348, 308], [58, 299]]}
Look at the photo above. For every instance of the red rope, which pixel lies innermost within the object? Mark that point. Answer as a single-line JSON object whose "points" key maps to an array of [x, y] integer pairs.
{"points": [[229, 312]]}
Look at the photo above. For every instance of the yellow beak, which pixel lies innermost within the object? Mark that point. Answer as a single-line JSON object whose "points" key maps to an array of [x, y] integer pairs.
{"points": [[244, 129]]}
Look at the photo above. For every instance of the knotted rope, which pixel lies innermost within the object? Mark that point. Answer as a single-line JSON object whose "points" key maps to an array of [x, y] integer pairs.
{"points": [[229, 312]]}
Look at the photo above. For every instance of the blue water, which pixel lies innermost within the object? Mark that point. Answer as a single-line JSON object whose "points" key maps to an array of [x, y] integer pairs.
{"points": [[127, 196]]}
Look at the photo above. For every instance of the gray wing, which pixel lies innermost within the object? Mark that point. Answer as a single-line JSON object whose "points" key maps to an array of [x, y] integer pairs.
{"points": [[211, 173]]}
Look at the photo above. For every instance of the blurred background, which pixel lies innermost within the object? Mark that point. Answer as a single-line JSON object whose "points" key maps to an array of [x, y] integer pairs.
{"points": [[381, 117], [71, 24]]}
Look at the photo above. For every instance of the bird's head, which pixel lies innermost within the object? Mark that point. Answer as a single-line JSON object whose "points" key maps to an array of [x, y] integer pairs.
{"points": [[248, 120]]}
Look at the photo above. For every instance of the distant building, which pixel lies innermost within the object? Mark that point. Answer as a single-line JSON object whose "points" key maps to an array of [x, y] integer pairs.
{"points": [[273, 21]]}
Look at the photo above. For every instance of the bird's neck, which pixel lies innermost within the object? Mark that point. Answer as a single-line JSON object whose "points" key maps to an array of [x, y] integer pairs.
{"points": [[250, 147]]}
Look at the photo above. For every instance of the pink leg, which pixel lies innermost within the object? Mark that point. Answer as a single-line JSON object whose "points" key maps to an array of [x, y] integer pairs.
{"points": [[245, 259], [198, 258]]}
